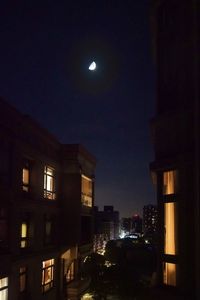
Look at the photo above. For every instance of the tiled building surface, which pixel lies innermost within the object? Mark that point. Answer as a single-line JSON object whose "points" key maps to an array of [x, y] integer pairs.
{"points": [[46, 200]]}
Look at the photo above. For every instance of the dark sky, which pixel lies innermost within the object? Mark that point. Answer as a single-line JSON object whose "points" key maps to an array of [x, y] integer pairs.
{"points": [[46, 48]]}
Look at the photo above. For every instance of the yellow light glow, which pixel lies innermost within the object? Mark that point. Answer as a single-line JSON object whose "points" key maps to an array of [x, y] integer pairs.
{"points": [[86, 190], [170, 182], [47, 273], [24, 230], [169, 274], [170, 230], [25, 176], [3, 282]]}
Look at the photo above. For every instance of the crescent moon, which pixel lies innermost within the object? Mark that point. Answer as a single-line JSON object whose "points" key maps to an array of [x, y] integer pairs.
{"points": [[92, 66]]}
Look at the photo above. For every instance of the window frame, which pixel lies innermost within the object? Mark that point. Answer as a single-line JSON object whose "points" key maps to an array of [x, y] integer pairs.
{"points": [[25, 239], [166, 280], [48, 285], [49, 194], [49, 238], [22, 273], [86, 197], [170, 226], [4, 287], [26, 185], [173, 185]]}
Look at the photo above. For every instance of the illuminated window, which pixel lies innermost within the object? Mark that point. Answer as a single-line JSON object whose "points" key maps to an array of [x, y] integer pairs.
{"points": [[24, 234], [170, 245], [22, 279], [47, 274], [170, 182], [49, 183], [86, 191], [4, 288], [25, 177], [70, 272], [169, 274]]}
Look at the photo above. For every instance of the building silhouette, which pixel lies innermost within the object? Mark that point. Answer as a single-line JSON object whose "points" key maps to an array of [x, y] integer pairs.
{"points": [[106, 227], [175, 133], [46, 220]]}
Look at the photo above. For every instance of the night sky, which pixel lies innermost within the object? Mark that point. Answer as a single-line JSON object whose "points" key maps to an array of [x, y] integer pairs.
{"points": [[45, 51]]}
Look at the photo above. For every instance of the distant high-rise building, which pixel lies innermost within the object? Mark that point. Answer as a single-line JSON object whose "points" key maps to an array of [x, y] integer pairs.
{"points": [[150, 218], [176, 138], [136, 224], [126, 225], [106, 226]]}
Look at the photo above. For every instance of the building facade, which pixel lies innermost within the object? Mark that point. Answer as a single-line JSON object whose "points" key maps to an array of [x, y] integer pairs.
{"points": [[46, 200], [175, 132], [150, 218], [106, 227]]}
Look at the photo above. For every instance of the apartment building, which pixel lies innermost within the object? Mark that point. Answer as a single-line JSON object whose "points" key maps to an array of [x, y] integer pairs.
{"points": [[175, 132], [46, 200], [106, 227], [150, 218]]}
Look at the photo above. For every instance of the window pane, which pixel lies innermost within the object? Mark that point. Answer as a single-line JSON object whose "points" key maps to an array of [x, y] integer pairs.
{"points": [[4, 294], [47, 274], [25, 176], [24, 230], [170, 228], [48, 228], [22, 279], [49, 183], [23, 244], [170, 182], [86, 191], [3, 282], [169, 274], [4, 288]]}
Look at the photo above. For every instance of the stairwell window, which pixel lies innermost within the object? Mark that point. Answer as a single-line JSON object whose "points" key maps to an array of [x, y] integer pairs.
{"points": [[47, 274], [170, 182], [86, 191], [49, 183], [4, 288]]}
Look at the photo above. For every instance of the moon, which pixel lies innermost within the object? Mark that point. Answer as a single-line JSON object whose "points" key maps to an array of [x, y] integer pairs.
{"points": [[92, 66]]}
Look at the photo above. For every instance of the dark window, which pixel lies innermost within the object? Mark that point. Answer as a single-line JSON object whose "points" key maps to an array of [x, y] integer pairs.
{"points": [[22, 279], [3, 228], [49, 230]]}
